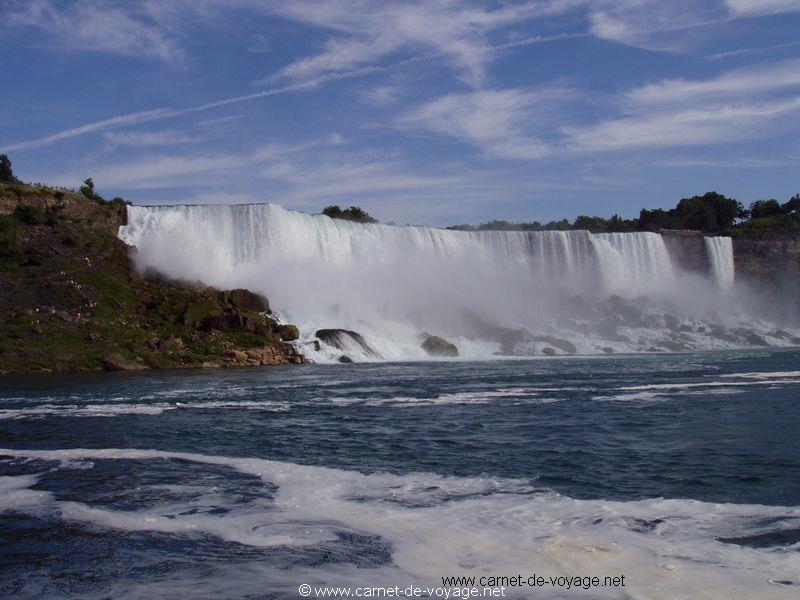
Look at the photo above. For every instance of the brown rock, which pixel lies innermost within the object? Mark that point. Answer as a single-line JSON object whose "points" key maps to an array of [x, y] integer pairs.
{"points": [[236, 355], [289, 333], [436, 346], [117, 363], [245, 300]]}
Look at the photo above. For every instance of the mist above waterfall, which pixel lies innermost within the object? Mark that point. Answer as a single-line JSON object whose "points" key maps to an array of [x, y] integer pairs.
{"points": [[490, 291]]}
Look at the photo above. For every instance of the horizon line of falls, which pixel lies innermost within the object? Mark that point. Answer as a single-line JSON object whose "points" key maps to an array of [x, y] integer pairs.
{"points": [[490, 292]]}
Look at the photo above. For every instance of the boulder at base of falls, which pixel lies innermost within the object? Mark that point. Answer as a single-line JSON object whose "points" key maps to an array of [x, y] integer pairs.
{"points": [[436, 346], [346, 340], [245, 300], [561, 344], [289, 333]]}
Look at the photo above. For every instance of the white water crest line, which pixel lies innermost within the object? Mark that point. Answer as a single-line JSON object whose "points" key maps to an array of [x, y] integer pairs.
{"points": [[114, 410], [763, 374], [707, 384], [454, 525]]}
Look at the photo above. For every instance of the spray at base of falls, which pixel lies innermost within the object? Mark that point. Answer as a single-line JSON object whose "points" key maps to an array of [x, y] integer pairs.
{"points": [[488, 291]]}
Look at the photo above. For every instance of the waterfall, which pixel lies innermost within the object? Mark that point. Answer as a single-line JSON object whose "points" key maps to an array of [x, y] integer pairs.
{"points": [[391, 283], [719, 251], [636, 260], [225, 245]]}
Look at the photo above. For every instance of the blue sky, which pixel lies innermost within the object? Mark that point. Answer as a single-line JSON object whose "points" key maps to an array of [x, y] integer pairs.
{"points": [[436, 112]]}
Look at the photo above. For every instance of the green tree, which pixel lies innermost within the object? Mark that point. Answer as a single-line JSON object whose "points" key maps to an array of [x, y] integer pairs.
{"points": [[562, 225], [87, 189], [6, 172], [496, 225], [711, 213], [765, 208], [590, 223], [654, 220], [354, 213], [333, 211], [792, 207]]}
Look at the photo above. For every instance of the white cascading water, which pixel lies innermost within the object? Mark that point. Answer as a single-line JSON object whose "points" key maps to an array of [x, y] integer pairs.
{"points": [[391, 283], [719, 250]]}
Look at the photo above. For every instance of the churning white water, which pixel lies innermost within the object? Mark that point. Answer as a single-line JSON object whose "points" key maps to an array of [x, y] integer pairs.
{"points": [[720, 257], [391, 283]]}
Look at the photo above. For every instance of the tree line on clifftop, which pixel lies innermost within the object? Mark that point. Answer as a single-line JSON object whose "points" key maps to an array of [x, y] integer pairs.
{"points": [[710, 213]]}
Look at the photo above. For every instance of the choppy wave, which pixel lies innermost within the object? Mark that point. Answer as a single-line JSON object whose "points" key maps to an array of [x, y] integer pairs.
{"points": [[432, 526]]}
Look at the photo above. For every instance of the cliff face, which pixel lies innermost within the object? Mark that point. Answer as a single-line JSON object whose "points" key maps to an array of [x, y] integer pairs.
{"points": [[763, 256], [70, 299], [687, 248], [755, 257]]}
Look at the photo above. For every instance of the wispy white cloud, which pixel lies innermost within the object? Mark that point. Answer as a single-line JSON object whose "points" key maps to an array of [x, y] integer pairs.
{"points": [[762, 7], [677, 25], [653, 24], [739, 104], [496, 121], [148, 138], [684, 127], [736, 83], [754, 50], [171, 170], [134, 118], [311, 180], [138, 118], [367, 32], [96, 25], [730, 163]]}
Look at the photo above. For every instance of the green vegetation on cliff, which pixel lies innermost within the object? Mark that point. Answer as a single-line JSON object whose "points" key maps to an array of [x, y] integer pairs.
{"points": [[70, 299], [354, 213]]}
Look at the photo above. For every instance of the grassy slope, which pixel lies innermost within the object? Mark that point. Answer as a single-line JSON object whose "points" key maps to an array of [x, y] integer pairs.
{"points": [[69, 299]]}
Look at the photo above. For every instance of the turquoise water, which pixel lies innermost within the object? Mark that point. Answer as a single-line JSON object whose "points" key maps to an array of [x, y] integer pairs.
{"points": [[680, 471]]}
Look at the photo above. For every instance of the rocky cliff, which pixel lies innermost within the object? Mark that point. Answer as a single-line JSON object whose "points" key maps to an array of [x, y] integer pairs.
{"points": [[779, 253], [71, 301], [687, 249]]}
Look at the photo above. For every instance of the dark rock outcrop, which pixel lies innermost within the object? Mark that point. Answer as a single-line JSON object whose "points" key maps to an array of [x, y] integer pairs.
{"points": [[346, 340], [245, 300], [561, 344], [289, 333], [436, 346]]}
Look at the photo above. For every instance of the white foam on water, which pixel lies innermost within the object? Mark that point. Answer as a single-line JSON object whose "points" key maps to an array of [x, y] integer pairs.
{"points": [[764, 374], [441, 526], [15, 493], [709, 384], [482, 397], [115, 410]]}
